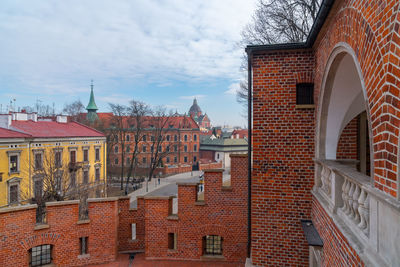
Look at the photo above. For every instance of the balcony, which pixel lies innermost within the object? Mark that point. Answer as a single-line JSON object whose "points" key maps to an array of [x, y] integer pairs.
{"points": [[367, 217]]}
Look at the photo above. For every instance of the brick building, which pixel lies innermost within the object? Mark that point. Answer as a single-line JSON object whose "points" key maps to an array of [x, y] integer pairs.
{"points": [[180, 145], [197, 115], [208, 230], [325, 135]]}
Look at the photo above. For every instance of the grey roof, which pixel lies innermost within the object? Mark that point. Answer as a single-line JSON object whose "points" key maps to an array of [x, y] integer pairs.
{"points": [[194, 108], [223, 144]]}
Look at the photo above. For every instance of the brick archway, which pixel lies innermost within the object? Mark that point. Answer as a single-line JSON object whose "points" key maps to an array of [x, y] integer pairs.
{"points": [[350, 30]]}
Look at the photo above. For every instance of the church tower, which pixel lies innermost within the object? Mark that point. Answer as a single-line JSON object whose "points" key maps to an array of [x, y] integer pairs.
{"points": [[91, 107]]}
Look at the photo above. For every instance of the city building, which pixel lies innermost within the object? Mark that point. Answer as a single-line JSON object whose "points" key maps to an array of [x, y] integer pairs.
{"points": [[325, 136], [31, 149], [201, 119], [220, 149]]}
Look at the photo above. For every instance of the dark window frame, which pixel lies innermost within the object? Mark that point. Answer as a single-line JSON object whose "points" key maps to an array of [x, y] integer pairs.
{"points": [[84, 245], [305, 94], [212, 245], [40, 258]]}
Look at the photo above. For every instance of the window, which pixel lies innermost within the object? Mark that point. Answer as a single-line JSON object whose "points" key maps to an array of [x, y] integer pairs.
{"points": [[72, 156], [116, 149], [116, 161], [38, 161], [168, 137], [212, 245], [85, 155], [152, 138], [128, 149], [83, 245], [185, 148], [195, 137], [185, 138], [167, 148], [128, 138], [175, 138], [133, 231], [172, 241], [175, 159], [194, 158], [195, 148], [167, 159], [151, 149], [40, 255], [58, 158], [128, 160], [218, 156], [144, 138], [159, 148], [176, 148], [305, 94], [86, 176], [97, 154], [116, 138], [185, 159], [13, 194], [14, 167], [144, 148], [144, 160], [97, 174], [72, 178], [38, 188]]}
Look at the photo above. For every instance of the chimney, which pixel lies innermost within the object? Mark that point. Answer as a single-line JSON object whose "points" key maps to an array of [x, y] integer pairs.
{"points": [[61, 119], [5, 120]]}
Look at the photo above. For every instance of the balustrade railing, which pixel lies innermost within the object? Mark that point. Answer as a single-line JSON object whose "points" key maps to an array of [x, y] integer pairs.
{"points": [[345, 190]]}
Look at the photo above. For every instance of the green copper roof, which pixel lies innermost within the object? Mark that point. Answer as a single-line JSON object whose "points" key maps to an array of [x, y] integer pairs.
{"points": [[92, 104]]}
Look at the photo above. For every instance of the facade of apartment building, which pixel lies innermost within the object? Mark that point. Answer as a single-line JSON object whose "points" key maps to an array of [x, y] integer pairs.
{"points": [[31, 148], [325, 135]]}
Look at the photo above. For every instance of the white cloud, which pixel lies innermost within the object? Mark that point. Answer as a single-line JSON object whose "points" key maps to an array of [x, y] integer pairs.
{"points": [[233, 88]]}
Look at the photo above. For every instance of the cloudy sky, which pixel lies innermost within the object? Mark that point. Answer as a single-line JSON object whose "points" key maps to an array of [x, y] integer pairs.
{"points": [[160, 52]]}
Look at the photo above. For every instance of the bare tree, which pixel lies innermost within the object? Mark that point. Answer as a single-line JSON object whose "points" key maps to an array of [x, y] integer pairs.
{"points": [[119, 124], [159, 127], [74, 110], [276, 21], [138, 112]]}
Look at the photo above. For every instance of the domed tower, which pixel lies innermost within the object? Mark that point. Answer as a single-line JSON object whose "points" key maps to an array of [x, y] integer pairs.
{"points": [[195, 110], [91, 107]]}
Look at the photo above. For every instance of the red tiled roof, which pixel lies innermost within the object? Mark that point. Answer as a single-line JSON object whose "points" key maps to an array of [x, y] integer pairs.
{"points": [[55, 129], [176, 122], [6, 133]]}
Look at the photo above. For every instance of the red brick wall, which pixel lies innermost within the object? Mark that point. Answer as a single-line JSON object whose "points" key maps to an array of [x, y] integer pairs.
{"points": [[207, 154], [127, 216], [223, 213], [336, 250], [347, 146], [283, 149], [211, 165]]}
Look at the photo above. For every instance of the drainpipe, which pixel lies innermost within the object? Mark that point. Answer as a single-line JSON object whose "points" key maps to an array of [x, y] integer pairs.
{"points": [[249, 116]]}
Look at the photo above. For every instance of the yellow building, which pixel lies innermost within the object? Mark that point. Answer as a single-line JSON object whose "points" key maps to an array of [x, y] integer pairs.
{"points": [[38, 156]]}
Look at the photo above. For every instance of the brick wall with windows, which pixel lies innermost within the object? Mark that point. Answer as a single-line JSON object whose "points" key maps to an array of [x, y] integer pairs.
{"points": [[223, 214]]}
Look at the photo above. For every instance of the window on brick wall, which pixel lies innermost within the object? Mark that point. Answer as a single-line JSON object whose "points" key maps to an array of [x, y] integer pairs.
{"points": [[40, 255], [185, 138], [133, 231], [185, 159], [144, 138], [168, 138], [212, 245], [116, 149], [83, 245], [195, 148], [195, 137], [185, 148], [176, 148], [128, 138], [116, 161], [175, 159], [144, 148], [167, 159], [175, 138], [172, 241], [305, 94]]}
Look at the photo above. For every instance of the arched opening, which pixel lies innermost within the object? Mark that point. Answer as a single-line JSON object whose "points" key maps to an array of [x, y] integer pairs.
{"points": [[343, 126]]}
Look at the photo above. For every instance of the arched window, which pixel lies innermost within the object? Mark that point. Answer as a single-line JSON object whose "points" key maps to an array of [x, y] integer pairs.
{"points": [[116, 149], [212, 245], [128, 138], [116, 161], [40, 255]]}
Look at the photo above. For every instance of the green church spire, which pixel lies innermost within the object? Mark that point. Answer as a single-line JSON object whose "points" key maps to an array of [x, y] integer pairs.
{"points": [[91, 107]]}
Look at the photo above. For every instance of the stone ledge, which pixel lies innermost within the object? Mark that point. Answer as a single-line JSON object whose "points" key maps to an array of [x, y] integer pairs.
{"points": [[41, 226], [214, 170], [83, 221], [238, 155], [62, 203], [227, 188], [311, 106], [173, 217], [102, 199], [200, 203], [84, 256], [213, 257], [18, 208]]}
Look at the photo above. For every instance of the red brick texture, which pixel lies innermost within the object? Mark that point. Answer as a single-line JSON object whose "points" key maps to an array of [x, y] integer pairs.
{"points": [[283, 148], [211, 165], [337, 251], [371, 29], [347, 146], [105, 229], [223, 212]]}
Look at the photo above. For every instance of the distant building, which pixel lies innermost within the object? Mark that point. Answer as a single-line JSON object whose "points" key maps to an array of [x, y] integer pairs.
{"points": [[220, 149], [30, 148], [202, 120]]}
